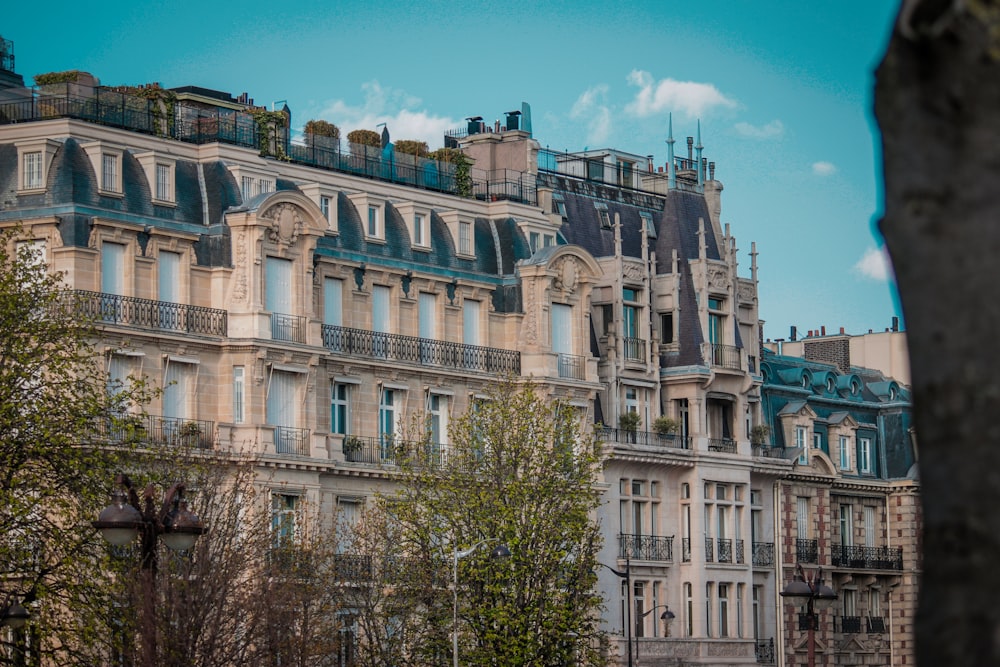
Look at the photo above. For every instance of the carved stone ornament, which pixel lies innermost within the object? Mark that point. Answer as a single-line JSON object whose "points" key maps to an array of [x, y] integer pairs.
{"points": [[632, 272], [747, 291], [240, 289], [286, 223], [567, 275], [530, 323], [718, 278]]}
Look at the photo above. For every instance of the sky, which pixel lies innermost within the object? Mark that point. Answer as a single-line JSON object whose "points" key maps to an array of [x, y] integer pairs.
{"points": [[782, 89]]}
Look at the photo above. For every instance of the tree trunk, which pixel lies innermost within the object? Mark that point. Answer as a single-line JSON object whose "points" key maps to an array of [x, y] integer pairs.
{"points": [[938, 104]]}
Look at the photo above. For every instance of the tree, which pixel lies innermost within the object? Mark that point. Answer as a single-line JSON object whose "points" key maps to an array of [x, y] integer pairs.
{"points": [[55, 413], [938, 120], [517, 471]]}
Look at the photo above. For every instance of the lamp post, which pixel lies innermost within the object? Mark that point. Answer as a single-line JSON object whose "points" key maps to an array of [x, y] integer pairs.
{"points": [[627, 576], [666, 617], [499, 551], [123, 520], [14, 616], [815, 594]]}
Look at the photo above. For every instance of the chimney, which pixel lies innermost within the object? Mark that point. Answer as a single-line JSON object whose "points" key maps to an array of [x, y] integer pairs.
{"points": [[690, 149], [823, 330], [895, 323], [711, 171], [793, 334], [841, 331]]}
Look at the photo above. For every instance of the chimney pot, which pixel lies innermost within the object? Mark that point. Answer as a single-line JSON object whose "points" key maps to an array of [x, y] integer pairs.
{"points": [[823, 329]]}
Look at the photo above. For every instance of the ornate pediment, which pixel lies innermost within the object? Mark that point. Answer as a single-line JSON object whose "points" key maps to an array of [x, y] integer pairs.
{"points": [[286, 222]]}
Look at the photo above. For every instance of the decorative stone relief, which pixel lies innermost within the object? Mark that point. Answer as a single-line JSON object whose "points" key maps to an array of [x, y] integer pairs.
{"points": [[747, 291], [286, 223], [632, 272], [530, 320], [567, 275], [727, 650], [240, 288], [718, 278]]}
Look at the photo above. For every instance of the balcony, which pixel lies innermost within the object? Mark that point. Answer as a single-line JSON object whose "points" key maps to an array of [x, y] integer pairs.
{"points": [[421, 351], [685, 549], [768, 452], [635, 349], [725, 550], [388, 449], [726, 356], [145, 429], [290, 440], [647, 438], [352, 567], [848, 624], [876, 625], [764, 651], [763, 554], [289, 328], [806, 551], [724, 445], [646, 547], [867, 558], [572, 366], [149, 314], [709, 550]]}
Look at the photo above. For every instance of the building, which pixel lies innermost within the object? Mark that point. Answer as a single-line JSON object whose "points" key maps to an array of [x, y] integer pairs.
{"points": [[301, 300]]}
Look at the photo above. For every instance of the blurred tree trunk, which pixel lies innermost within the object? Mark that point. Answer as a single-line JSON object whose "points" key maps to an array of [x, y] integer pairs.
{"points": [[938, 105]]}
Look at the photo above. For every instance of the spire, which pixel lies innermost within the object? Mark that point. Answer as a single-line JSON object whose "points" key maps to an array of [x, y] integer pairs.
{"points": [[697, 165], [671, 170]]}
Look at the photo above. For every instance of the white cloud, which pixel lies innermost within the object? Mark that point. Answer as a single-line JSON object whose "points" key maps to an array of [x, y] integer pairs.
{"points": [[773, 129], [396, 108], [875, 265], [824, 168], [688, 98], [592, 108]]}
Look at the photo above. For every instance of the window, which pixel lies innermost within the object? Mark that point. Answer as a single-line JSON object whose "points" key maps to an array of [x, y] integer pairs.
{"points": [[874, 602], [168, 277], [465, 238], [420, 234], [708, 609], [802, 517], [333, 296], [716, 333], [32, 170], [340, 416], [164, 190], [605, 218], [739, 609], [850, 602], [817, 441], [647, 224], [284, 511], [723, 610], [387, 414], [757, 593], [470, 321], [845, 453], [666, 328], [801, 433], [865, 456], [548, 240], [110, 173], [630, 324], [374, 221], [437, 409], [639, 604], [281, 398], [558, 204], [846, 526], [380, 320], [625, 173], [324, 206], [869, 518], [248, 188], [238, 392], [178, 389], [688, 611], [562, 328], [533, 241]]}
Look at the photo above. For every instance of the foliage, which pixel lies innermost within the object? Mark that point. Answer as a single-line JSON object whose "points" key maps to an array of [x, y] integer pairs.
{"points": [[517, 471], [759, 434], [365, 138], [68, 76], [629, 421], [269, 123], [162, 103], [321, 133], [664, 425], [411, 147], [463, 168], [54, 413]]}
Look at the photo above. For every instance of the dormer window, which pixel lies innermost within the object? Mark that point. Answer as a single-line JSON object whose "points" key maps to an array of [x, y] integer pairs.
{"points": [[159, 170], [558, 204], [420, 233], [465, 238], [111, 173], [34, 158], [602, 212], [374, 221], [31, 169], [372, 212]]}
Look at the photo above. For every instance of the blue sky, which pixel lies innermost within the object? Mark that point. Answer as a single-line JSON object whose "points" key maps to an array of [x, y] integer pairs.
{"points": [[782, 89]]}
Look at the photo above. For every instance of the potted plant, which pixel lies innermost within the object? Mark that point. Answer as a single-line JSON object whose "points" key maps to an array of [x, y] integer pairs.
{"points": [[189, 432], [352, 447], [664, 425], [629, 423], [759, 434]]}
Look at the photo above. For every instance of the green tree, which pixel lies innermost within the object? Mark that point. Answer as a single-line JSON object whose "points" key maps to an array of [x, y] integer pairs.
{"points": [[517, 471], [55, 415]]}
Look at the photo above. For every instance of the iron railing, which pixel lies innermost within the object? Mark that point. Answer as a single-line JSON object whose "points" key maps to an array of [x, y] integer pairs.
{"points": [[146, 429], [726, 356], [725, 445], [768, 452], [806, 620], [848, 624], [806, 551], [572, 366], [635, 349], [423, 351], [646, 547], [685, 549], [291, 440], [740, 554], [289, 328], [389, 449], [867, 558], [150, 314], [725, 550], [763, 554], [650, 438], [187, 123], [763, 650], [353, 567], [876, 624], [709, 550]]}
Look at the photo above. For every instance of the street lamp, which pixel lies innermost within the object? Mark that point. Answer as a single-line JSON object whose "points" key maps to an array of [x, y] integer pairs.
{"points": [[14, 616], [123, 520], [666, 617], [499, 551], [627, 576], [815, 594]]}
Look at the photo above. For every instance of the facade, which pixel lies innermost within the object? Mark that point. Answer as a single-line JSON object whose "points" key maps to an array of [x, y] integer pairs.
{"points": [[300, 301]]}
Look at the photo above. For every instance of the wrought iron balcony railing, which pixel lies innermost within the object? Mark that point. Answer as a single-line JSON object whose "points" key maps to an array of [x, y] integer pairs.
{"points": [[768, 452], [650, 438], [646, 547], [848, 624], [726, 356], [763, 554], [422, 351], [353, 567], [709, 550], [867, 558], [389, 449], [725, 550], [291, 440], [572, 366], [146, 429], [635, 349], [740, 555], [686, 549], [764, 651], [876, 624], [290, 328], [149, 314], [725, 445], [806, 551]]}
